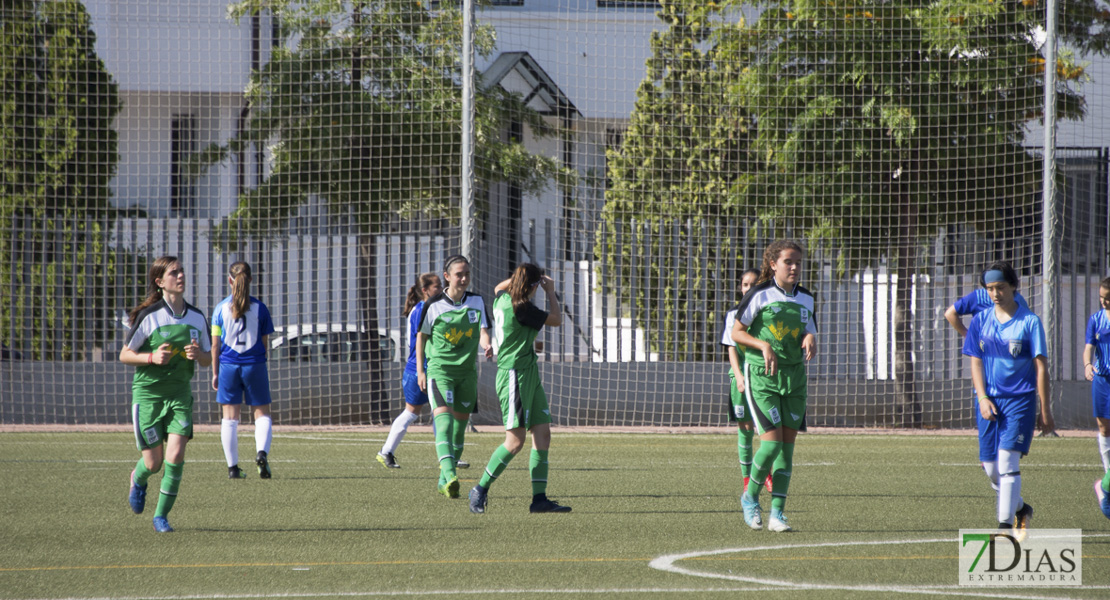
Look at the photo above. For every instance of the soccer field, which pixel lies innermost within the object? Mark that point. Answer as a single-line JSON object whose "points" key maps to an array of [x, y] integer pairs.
{"points": [[875, 516]]}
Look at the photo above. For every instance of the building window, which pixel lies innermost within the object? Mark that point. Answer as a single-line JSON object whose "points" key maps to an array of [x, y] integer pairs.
{"points": [[628, 3], [183, 143]]}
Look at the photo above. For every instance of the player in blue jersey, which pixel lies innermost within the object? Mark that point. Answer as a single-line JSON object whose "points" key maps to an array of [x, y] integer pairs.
{"points": [[1096, 367], [972, 304], [737, 404], [426, 287], [166, 340], [1009, 369], [241, 326]]}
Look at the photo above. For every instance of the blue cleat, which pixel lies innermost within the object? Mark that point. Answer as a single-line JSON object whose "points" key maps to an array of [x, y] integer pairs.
{"points": [[137, 497], [1103, 498], [778, 522], [751, 511], [161, 525], [478, 500]]}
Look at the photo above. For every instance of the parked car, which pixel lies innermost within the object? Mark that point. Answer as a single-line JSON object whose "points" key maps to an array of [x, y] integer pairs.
{"points": [[329, 343]]}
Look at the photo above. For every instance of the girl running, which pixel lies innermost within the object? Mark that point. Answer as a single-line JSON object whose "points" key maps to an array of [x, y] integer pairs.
{"points": [[738, 406]]}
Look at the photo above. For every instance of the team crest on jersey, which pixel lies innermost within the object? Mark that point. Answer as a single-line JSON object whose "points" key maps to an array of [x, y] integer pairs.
{"points": [[1015, 348], [805, 315], [472, 315]]}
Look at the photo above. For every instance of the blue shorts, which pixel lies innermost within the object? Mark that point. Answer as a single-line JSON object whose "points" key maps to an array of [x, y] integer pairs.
{"points": [[988, 433], [413, 394], [237, 381], [1013, 427], [1100, 396]]}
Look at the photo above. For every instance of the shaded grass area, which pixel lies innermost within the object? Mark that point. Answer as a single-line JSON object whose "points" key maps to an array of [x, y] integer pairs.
{"points": [[335, 523]]}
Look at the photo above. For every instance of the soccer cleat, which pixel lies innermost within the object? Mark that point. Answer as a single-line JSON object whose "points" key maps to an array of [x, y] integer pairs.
{"points": [[477, 499], [778, 522], [263, 465], [137, 496], [751, 512], [161, 525], [388, 460], [450, 488], [1103, 498], [548, 506], [462, 464], [233, 472], [1022, 518]]}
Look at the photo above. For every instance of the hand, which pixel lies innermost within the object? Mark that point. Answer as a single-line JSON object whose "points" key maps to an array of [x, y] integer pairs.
{"points": [[1046, 424], [987, 409], [192, 350], [770, 361], [809, 346], [422, 381], [740, 384], [488, 351], [1089, 372], [162, 355], [216, 381], [547, 283]]}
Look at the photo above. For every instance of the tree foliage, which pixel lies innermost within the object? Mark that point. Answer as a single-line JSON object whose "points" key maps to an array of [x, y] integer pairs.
{"points": [[58, 154]]}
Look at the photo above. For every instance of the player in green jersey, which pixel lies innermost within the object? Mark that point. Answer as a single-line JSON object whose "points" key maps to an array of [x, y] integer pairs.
{"points": [[776, 325], [738, 404], [168, 337], [453, 327], [516, 322]]}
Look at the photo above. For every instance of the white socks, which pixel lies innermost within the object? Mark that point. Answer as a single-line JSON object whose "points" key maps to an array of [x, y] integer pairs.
{"points": [[229, 437], [1009, 485], [1104, 452], [263, 434], [991, 469], [397, 431]]}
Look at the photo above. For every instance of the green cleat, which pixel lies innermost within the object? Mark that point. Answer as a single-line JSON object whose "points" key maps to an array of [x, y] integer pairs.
{"points": [[450, 488]]}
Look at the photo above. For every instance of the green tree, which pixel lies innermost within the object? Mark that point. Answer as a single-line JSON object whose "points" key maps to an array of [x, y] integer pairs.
{"points": [[57, 157], [669, 242], [880, 122], [360, 109]]}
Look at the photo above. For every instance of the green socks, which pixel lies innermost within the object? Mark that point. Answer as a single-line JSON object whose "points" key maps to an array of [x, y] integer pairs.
{"points": [[497, 464], [762, 465], [744, 450], [142, 474], [444, 435], [458, 432], [171, 480], [537, 465], [780, 477]]}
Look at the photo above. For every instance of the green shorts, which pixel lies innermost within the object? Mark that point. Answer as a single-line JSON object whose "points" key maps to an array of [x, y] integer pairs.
{"points": [[460, 394], [523, 401], [737, 402], [779, 400], [154, 419]]}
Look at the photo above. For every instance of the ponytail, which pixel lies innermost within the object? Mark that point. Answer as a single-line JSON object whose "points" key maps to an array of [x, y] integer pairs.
{"points": [[416, 292], [524, 279], [240, 273]]}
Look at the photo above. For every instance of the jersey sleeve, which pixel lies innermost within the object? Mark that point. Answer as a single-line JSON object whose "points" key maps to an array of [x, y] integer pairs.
{"points": [[204, 341], [265, 321], [138, 334], [971, 341], [1037, 338], [531, 315], [726, 335], [218, 321], [968, 304], [1092, 329], [425, 324]]}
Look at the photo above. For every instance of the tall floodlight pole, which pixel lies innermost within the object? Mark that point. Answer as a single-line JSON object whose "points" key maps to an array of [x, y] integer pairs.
{"points": [[466, 212], [1048, 204]]}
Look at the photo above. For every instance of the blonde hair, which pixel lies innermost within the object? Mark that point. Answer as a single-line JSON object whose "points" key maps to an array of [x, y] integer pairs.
{"points": [[240, 273]]}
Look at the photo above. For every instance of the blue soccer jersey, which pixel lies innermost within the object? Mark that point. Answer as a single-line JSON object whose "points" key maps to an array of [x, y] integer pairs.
{"points": [[241, 338], [1007, 350], [1098, 335], [414, 328], [980, 300]]}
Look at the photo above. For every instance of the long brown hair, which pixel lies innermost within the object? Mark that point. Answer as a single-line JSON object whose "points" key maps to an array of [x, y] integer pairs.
{"points": [[524, 278], [240, 273], [771, 254], [416, 292], [153, 292]]}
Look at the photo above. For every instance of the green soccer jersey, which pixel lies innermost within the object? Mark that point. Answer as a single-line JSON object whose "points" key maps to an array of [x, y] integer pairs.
{"points": [[780, 318], [157, 325], [514, 332], [453, 330]]}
